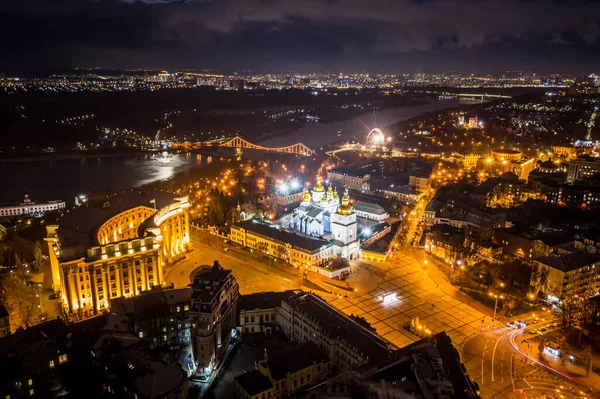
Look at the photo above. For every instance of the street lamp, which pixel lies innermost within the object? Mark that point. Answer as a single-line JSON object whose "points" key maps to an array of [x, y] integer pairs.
{"points": [[496, 302]]}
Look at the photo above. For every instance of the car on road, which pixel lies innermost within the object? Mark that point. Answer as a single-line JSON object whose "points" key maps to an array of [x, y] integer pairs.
{"points": [[533, 331], [511, 324], [522, 324], [543, 329], [553, 348], [535, 322]]}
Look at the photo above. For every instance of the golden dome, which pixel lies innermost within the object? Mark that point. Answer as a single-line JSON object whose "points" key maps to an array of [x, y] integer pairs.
{"points": [[318, 187], [306, 197], [329, 191], [324, 199], [335, 195], [345, 209]]}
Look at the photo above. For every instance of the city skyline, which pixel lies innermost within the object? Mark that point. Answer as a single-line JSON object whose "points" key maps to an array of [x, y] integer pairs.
{"points": [[400, 37], [259, 199]]}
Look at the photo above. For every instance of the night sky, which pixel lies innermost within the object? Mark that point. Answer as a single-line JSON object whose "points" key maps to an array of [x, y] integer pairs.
{"points": [[373, 36]]}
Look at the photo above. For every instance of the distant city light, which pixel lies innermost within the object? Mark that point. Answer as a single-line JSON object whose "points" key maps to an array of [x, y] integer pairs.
{"points": [[283, 188], [295, 185]]}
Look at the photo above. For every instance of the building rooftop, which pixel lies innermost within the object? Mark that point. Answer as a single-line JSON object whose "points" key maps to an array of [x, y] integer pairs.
{"points": [[436, 362], [253, 382], [160, 380], [506, 151], [136, 364], [79, 226], [356, 170], [337, 325], [570, 261], [264, 300], [375, 209], [208, 282], [22, 339], [556, 240], [276, 233], [291, 359], [150, 300], [389, 185]]}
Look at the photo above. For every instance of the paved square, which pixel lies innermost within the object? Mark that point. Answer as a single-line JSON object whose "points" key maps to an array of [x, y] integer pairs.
{"points": [[418, 296]]}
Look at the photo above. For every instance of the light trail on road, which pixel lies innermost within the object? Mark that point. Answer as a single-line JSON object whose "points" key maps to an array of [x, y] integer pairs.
{"points": [[537, 362]]}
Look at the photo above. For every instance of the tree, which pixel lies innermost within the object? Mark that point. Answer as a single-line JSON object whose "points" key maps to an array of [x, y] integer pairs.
{"points": [[16, 260], [567, 311], [508, 307], [282, 253], [489, 279], [262, 247], [19, 298], [37, 254]]}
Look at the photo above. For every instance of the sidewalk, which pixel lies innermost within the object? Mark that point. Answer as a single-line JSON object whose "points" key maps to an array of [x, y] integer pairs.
{"points": [[207, 385]]}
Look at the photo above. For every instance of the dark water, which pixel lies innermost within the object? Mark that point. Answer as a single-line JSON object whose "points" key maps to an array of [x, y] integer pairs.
{"points": [[316, 135], [64, 179]]}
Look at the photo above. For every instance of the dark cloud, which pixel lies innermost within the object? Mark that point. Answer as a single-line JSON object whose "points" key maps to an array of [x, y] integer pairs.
{"points": [[365, 35]]}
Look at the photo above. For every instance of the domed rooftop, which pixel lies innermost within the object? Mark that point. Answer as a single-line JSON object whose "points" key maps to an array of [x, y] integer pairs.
{"points": [[319, 187], [345, 209]]}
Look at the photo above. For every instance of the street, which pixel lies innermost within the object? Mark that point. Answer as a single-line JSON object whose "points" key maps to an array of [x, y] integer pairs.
{"points": [[502, 370], [488, 348]]}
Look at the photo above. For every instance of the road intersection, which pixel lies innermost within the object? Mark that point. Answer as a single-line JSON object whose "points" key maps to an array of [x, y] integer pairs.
{"points": [[490, 351]]}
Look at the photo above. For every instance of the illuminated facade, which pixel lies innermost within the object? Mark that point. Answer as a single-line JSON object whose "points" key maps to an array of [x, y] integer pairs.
{"points": [[29, 207], [581, 168], [115, 247], [473, 122], [324, 215], [213, 315]]}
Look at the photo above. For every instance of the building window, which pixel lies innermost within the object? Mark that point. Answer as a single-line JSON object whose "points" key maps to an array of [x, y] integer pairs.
{"points": [[51, 364], [186, 308], [62, 359], [31, 392], [178, 309], [30, 382], [141, 334]]}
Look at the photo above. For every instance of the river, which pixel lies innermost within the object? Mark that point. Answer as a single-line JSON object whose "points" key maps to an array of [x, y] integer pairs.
{"points": [[64, 179], [45, 179], [316, 135]]}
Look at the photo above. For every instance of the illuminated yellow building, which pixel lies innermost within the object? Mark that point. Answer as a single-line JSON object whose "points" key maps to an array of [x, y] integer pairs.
{"points": [[116, 247]]}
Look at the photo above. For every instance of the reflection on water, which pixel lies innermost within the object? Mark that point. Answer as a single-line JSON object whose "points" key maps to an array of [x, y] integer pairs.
{"points": [[316, 135], [64, 179]]}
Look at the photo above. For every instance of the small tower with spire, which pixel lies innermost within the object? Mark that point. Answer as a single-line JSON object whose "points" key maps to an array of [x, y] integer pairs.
{"points": [[318, 191], [305, 198]]}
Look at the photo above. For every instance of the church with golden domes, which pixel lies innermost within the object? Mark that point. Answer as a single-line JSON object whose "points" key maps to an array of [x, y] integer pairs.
{"points": [[323, 214]]}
